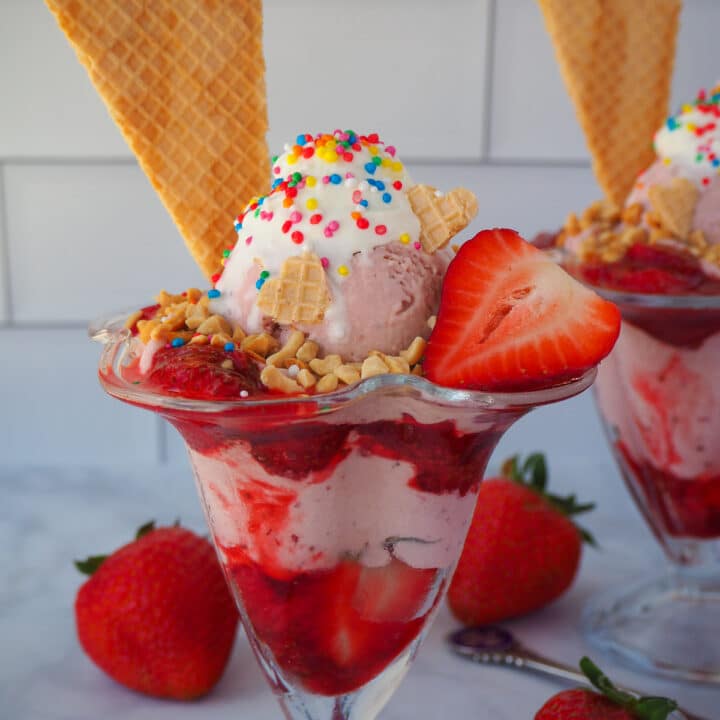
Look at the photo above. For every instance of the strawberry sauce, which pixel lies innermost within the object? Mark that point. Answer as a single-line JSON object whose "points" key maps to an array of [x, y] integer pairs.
{"points": [[679, 507], [333, 629]]}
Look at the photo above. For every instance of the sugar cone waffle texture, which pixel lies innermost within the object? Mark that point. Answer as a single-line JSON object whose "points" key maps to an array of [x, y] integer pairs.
{"points": [[616, 57], [184, 80]]}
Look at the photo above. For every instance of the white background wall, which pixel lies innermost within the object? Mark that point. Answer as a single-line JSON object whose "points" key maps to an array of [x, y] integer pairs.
{"points": [[467, 89]]}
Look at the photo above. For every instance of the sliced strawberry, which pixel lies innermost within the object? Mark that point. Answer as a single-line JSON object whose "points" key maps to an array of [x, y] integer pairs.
{"points": [[511, 319], [197, 371], [394, 592]]}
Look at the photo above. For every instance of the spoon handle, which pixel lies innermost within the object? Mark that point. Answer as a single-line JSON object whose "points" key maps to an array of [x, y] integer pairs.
{"points": [[524, 659]]}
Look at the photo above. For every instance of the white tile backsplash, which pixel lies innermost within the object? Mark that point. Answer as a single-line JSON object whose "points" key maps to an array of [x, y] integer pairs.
{"points": [[412, 70], [4, 271], [48, 105], [54, 410], [79, 214], [531, 116], [529, 199], [88, 239], [697, 61]]}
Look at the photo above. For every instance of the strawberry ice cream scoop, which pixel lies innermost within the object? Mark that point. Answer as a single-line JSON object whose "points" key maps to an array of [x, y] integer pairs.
{"points": [[339, 203]]}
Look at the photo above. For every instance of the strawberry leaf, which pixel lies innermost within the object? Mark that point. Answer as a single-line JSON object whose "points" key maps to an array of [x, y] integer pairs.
{"points": [[533, 473], [535, 469], [90, 564], [643, 708], [145, 529]]}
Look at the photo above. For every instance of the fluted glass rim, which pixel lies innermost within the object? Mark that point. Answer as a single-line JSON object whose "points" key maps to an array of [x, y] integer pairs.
{"points": [[111, 332]]}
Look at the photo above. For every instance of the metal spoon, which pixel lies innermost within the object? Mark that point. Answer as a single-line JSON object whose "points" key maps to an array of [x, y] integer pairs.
{"points": [[493, 645]]}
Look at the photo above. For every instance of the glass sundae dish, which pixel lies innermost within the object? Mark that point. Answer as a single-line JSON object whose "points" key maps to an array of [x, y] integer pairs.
{"points": [[338, 480], [658, 393]]}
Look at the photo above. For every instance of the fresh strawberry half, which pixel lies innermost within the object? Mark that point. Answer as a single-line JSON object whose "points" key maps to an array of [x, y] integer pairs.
{"points": [[204, 372], [609, 704], [511, 319]]}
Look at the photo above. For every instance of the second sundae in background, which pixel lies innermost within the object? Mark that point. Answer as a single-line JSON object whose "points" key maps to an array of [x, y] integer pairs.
{"points": [[659, 392]]}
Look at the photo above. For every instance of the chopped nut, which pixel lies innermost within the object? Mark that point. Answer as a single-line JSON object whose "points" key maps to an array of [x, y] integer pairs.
{"points": [[276, 379], [327, 383], [373, 365], [656, 235], [431, 321], [262, 344], [632, 214], [199, 340], [160, 332], [293, 362], [193, 295], [220, 339], [572, 224], [227, 364], [609, 212], [347, 374], [288, 350], [306, 378], [633, 235], [591, 214], [612, 253], [213, 325], [415, 350], [132, 319], [652, 219], [164, 298], [238, 335], [697, 239], [324, 366], [397, 365], [308, 351], [195, 316]]}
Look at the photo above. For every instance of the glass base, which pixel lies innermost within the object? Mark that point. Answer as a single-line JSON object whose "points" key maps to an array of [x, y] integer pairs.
{"points": [[363, 704], [666, 626]]}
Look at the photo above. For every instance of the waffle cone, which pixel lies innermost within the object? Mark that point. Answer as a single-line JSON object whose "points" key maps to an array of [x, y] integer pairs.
{"points": [[184, 80], [616, 58], [441, 215]]}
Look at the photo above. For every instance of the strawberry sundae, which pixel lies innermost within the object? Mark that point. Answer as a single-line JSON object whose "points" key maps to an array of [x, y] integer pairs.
{"points": [[334, 392], [658, 257]]}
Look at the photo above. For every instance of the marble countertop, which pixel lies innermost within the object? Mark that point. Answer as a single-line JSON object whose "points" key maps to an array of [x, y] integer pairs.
{"points": [[48, 517]]}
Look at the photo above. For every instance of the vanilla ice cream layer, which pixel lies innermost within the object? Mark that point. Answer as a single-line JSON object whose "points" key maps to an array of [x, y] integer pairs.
{"points": [[664, 401], [367, 509]]}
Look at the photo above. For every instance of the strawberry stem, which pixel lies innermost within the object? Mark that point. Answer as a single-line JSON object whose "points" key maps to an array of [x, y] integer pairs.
{"points": [[90, 564], [643, 708], [533, 473]]}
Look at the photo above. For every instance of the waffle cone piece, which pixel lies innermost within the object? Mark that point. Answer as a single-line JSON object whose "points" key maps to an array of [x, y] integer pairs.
{"points": [[674, 205], [616, 58], [300, 293], [184, 80], [441, 215]]}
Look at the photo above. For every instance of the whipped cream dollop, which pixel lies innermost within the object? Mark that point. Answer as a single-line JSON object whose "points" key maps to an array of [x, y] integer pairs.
{"points": [[689, 141], [337, 196]]}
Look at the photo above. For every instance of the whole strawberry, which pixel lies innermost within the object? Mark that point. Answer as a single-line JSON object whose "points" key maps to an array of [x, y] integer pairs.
{"points": [[156, 615], [612, 704], [522, 550]]}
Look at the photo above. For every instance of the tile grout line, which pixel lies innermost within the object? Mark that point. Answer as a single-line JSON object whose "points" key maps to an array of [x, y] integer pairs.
{"points": [[5, 251], [486, 140], [408, 160]]}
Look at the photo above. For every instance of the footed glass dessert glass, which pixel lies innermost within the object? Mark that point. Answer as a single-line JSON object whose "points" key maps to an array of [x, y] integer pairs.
{"points": [[658, 394], [338, 518]]}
